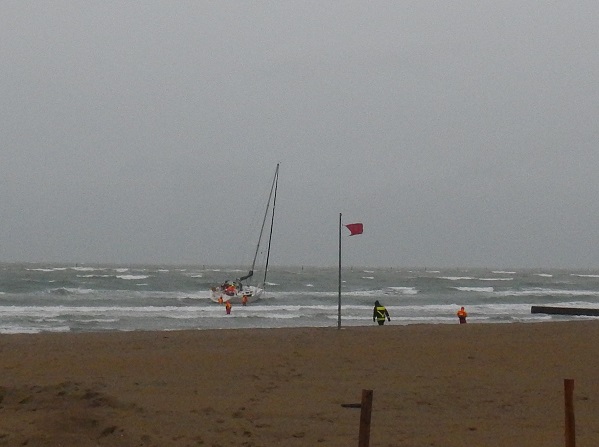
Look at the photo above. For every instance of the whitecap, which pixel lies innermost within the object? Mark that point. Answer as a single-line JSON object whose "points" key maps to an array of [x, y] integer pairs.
{"points": [[538, 291], [84, 269], [495, 279], [403, 290], [94, 276], [455, 278], [474, 289]]}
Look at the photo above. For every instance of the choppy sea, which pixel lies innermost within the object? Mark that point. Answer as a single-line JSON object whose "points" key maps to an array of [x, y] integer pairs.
{"points": [[60, 298]]}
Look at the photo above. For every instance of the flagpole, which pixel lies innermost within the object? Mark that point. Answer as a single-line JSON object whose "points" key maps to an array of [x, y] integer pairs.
{"points": [[339, 301]]}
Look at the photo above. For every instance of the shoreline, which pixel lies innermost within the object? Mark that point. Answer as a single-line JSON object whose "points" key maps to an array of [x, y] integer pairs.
{"points": [[575, 316], [450, 385]]}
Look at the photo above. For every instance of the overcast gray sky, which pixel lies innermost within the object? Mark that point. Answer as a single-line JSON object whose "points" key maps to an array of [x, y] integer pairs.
{"points": [[461, 133]]}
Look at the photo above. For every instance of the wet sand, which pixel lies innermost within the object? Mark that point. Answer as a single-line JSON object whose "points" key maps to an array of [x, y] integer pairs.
{"points": [[433, 385]]}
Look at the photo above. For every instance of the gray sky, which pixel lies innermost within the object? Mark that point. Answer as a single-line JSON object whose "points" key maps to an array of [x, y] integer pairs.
{"points": [[461, 133]]}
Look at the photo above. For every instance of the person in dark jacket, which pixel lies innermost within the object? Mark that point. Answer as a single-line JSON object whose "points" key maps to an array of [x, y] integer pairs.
{"points": [[380, 313]]}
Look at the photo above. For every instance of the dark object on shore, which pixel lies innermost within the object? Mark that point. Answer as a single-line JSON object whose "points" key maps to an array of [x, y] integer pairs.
{"points": [[351, 405], [564, 311]]}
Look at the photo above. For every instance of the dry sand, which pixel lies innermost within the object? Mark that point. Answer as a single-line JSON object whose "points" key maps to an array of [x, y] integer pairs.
{"points": [[434, 385]]}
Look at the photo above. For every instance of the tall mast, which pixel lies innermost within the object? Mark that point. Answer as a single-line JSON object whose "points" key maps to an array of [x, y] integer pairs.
{"points": [[272, 220], [272, 191]]}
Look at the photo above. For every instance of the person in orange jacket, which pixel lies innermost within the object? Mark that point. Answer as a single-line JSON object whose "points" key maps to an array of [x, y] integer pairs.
{"points": [[462, 314], [228, 307]]}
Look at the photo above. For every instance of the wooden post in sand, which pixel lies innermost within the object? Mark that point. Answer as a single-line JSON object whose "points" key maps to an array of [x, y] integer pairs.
{"points": [[570, 430], [366, 411]]}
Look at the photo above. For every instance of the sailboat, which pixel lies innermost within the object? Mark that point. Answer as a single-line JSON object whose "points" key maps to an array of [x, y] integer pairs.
{"points": [[237, 290]]}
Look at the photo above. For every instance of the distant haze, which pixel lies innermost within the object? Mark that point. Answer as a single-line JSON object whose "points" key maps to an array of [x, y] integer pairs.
{"points": [[460, 133]]}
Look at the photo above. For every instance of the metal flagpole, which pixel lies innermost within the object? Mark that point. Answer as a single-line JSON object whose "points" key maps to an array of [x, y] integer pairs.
{"points": [[339, 301]]}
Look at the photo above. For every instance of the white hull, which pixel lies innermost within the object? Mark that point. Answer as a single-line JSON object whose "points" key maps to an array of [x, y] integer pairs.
{"points": [[252, 294]]}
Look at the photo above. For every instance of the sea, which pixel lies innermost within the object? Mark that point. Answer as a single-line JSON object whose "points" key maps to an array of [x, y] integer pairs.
{"points": [[91, 298]]}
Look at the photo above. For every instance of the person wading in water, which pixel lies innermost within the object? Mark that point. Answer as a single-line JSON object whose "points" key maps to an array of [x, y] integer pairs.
{"points": [[462, 314]]}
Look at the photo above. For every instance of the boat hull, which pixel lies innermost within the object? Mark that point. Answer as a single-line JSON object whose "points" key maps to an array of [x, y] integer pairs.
{"points": [[252, 294]]}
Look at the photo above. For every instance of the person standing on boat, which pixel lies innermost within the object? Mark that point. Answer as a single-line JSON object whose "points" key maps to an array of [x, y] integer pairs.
{"points": [[462, 314], [380, 313]]}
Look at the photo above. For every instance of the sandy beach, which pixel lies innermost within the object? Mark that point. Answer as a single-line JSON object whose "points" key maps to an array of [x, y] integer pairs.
{"points": [[433, 385]]}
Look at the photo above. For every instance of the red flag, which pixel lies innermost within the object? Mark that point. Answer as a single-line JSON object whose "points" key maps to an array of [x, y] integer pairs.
{"points": [[355, 228]]}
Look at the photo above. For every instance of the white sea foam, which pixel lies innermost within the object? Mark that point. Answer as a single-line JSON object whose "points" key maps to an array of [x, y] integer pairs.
{"points": [[403, 290], [85, 269], [45, 270], [585, 276], [544, 275], [475, 289], [548, 292], [456, 278], [501, 272], [95, 276], [17, 329], [130, 277], [364, 293], [495, 279], [98, 320]]}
